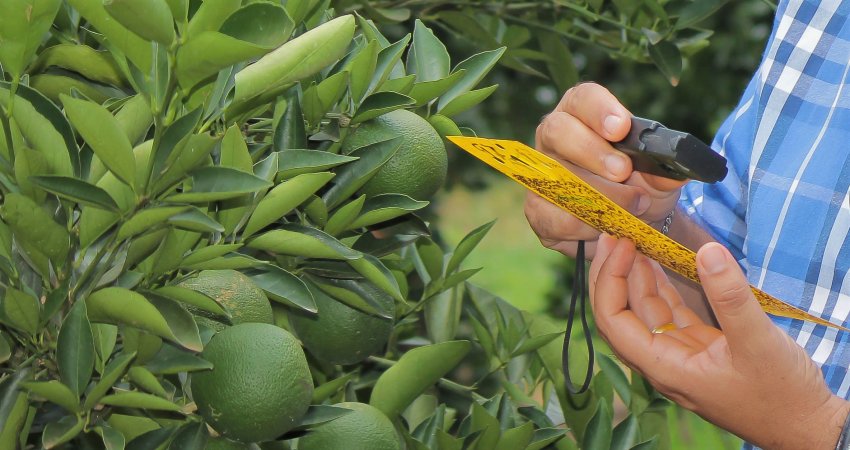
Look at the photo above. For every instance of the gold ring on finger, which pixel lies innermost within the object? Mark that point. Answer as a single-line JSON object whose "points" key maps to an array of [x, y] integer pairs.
{"points": [[661, 329]]}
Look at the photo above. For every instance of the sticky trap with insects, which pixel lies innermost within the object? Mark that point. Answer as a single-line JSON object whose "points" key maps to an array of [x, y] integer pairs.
{"points": [[555, 183]]}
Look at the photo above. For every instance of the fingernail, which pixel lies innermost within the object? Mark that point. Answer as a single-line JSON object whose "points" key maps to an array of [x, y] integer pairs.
{"points": [[611, 124], [713, 259], [615, 164], [643, 203]]}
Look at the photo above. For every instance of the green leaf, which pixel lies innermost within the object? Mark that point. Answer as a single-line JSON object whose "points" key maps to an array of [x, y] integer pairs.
{"points": [[140, 400], [23, 26], [209, 252], [13, 416], [191, 436], [486, 425], [131, 426], [427, 57], [321, 98], [149, 19], [5, 348], [401, 85], [124, 307], [597, 435], [29, 163], [344, 215], [616, 376], [75, 349], [184, 330], [232, 262], [21, 311], [296, 59], [234, 154], [171, 360], [532, 344], [696, 12], [92, 64], [292, 163], [625, 434], [283, 199], [173, 142], [44, 127], [194, 219], [112, 439], [544, 437], [148, 218], [381, 103], [219, 183], [61, 431], [326, 390], [473, 70], [137, 50], [466, 245], [210, 15], [351, 293], [105, 337], [466, 100], [382, 208], [319, 414], [416, 371], [77, 191], [288, 122], [194, 153], [146, 380], [388, 61], [284, 287], [114, 370], [361, 68], [425, 91], [101, 131], [442, 315], [250, 32], [560, 64], [516, 438], [33, 227], [299, 240], [668, 59], [375, 271], [56, 392], [650, 444], [190, 297], [353, 176]]}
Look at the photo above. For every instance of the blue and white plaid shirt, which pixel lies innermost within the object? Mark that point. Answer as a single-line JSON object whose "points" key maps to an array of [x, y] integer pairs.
{"points": [[784, 208]]}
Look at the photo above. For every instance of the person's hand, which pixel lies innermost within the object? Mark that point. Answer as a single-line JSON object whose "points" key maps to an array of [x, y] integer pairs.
{"points": [[578, 134], [748, 377]]}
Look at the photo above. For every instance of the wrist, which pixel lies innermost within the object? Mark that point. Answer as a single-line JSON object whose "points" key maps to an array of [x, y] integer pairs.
{"points": [[838, 429]]}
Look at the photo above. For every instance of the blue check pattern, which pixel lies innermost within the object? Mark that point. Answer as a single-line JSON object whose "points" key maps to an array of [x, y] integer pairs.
{"points": [[784, 208]]}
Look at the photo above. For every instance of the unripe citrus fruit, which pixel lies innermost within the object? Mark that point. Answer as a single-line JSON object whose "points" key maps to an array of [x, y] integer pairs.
{"points": [[260, 385], [340, 334], [236, 292], [418, 168], [365, 428]]}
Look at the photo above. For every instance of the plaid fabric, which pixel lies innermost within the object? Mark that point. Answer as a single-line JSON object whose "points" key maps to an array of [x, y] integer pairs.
{"points": [[784, 208]]}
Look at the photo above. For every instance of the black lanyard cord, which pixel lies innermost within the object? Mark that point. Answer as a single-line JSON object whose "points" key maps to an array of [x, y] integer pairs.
{"points": [[579, 294]]}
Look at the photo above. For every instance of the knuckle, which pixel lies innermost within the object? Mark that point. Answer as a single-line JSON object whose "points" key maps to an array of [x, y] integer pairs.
{"points": [[733, 294]]}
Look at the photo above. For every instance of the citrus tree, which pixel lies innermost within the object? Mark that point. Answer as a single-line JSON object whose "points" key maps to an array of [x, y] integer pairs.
{"points": [[209, 239]]}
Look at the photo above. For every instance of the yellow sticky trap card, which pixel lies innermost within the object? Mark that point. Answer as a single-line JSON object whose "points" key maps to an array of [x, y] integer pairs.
{"points": [[555, 183]]}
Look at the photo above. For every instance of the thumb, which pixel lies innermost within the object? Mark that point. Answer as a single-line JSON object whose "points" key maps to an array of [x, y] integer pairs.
{"points": [[745, 325]]}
